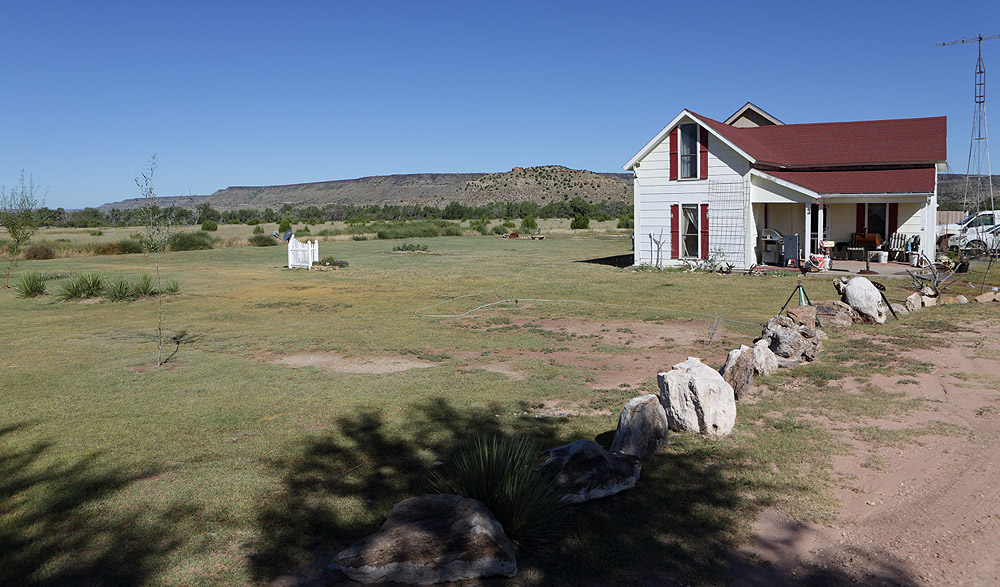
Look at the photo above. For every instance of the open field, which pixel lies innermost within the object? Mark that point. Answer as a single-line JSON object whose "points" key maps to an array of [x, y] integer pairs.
{"points": [[307, 403]]}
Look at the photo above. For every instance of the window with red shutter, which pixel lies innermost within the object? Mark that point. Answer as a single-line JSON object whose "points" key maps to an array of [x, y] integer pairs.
{"points": [[703, 151], [704, 231], [675, 234], [673, 153]]}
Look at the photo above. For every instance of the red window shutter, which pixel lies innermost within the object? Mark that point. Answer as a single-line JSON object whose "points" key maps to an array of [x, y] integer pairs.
{"points": [[861, 220], [703, 153], [893, 220], [675, 231], [704, 231], [673, 153]]}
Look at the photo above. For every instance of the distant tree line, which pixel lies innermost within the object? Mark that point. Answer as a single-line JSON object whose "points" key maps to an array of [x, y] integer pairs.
{"points": [[350, 213]]}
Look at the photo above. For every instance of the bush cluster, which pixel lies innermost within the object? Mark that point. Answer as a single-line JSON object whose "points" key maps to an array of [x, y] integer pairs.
{"points": [[210, 225], [38, 251], [580, 221], [419, 229], [125, 246], [262, 240], [93, 285], [191, 241], [331, 262], [410, 247], [31, 285]]}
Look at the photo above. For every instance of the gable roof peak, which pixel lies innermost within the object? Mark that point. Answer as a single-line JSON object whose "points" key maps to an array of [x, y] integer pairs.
{"points": [[751, 115]]}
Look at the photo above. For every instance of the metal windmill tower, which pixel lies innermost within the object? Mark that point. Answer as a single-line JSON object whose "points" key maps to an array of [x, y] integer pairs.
{"points": [[979, 176]]}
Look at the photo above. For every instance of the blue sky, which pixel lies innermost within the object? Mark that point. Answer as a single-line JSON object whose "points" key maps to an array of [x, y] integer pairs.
{"points": [[262, 93]]}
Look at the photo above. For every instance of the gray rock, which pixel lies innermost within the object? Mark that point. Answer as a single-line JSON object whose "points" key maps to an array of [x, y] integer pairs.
{"points": [[860, 294], [790, 341], [697, 399], [738, 370], [960, 299], [900, 309], [928, 291], [642, 427], [789, 363], [431, 539], [764, 361], [802, 315], [585, 471], [913, 302], [834, 314]]}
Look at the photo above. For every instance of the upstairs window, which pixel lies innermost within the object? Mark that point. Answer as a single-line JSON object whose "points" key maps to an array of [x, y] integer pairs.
{"points": [[689, 151]]}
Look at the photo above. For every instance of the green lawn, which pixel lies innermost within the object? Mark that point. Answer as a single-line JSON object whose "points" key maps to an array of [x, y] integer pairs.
{"points": [[229, 468]]}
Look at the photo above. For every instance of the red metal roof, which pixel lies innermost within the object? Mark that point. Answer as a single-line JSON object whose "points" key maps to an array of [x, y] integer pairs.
{"points": [[880, 181], [841, 144]]}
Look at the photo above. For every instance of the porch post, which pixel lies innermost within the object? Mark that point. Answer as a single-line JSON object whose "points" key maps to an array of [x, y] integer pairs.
{"points": [[807, 245], [820, 227]]}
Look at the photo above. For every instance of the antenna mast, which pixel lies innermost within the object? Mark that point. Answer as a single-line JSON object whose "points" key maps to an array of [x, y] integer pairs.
{"points": [[979, 147]]}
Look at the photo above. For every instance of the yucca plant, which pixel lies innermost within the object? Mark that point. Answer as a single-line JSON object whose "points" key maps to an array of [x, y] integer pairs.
{"points": [[119, 290], [31, 285], [171, 287], [143, 286], [80, 286], [497, 471]]}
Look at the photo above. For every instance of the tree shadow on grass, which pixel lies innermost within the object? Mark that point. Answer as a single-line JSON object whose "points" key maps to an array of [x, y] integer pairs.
{"points": [[679, 525], [54, 530]]}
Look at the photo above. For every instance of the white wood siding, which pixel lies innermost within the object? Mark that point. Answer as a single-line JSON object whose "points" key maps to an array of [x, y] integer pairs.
{"points": [[655, 192]]}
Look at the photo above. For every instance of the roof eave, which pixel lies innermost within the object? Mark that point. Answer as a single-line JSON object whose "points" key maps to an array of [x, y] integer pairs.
{"points": [[630, 166]]}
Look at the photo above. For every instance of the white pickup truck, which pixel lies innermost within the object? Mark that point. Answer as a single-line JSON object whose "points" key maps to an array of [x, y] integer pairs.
{"points": [[975, 233]]}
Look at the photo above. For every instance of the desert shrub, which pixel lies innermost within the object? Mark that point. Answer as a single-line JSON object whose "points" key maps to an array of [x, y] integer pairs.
{"points": [[123, 247], [498, 472], [171, 287], [262, 240], [529, 223], [80, 286], [254, 222], [419, 229], [30, 285], [410, 247], [359, 237], [303, 230], [120, 289], [191, 241], [96, 232], [508, 224], [144, 286], [258, 229], [210, 225], [482, 226], [284, 225], [331, 262], [39, 251], [499, 229], [626, 222], [580, 221]]}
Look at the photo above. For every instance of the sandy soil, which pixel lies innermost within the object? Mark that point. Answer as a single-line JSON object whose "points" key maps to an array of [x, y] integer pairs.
{"points": [[928, 515]]}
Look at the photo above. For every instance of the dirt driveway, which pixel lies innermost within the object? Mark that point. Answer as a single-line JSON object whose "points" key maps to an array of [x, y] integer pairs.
{"points": [[924, 513]]}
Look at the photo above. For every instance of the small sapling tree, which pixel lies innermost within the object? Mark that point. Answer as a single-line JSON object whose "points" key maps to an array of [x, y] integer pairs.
{"points": [[158, 229], [19, 215]]}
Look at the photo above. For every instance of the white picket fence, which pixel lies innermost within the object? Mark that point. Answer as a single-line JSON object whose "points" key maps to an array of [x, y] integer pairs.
{"points": [[302, 254]]}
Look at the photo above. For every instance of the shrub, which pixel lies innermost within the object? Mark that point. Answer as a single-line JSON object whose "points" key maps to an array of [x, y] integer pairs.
{"points": [[31, 285], [210, 225], [122, 247], [80, 286], [529, 223], [171, 287], [498, 472], [144, 287], [120, 290], [258, 229], [96, 232], [331, 262], [580, 221], [359, 237], [262, 240], [483, 226], [39, 251], [254, 222], [191, 241], [626, 222], [419, 229], [410, 247], [284, 225], [499, 229]]}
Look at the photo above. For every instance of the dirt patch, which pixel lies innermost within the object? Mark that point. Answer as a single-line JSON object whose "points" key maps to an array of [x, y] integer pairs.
{"points": [[502, 368], [918, 513], [360, 365]]}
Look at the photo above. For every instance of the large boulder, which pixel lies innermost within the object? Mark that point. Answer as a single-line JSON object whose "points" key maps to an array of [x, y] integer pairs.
{"points": [[584, 470], [862, 295], [788, 340], [900, 309], [642, 427], [431, 539], [913, 302], [986, 297], [738, 370], [833, 314], [802, 315], [764, 360], [697, 399]]}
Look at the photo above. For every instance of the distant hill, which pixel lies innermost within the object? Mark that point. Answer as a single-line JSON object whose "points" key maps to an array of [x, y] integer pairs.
{"points": [[539, 184], [951, 189]]}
